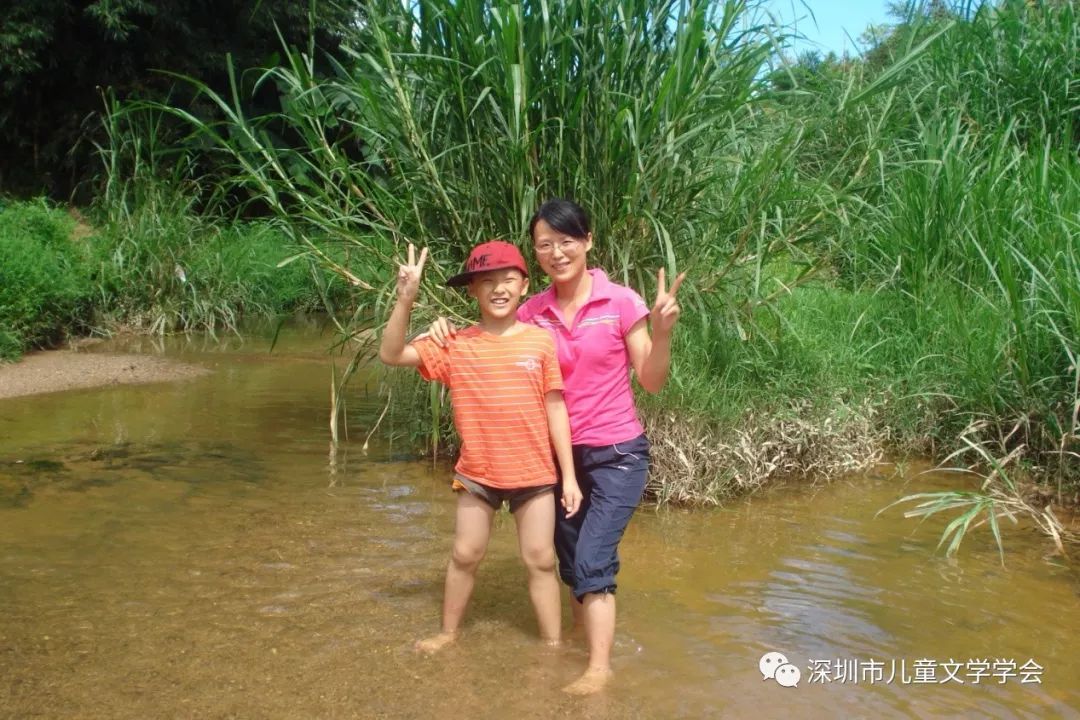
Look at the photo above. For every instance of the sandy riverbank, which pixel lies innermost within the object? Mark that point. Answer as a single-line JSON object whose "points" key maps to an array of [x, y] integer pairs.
{"points": [[57, 370]]}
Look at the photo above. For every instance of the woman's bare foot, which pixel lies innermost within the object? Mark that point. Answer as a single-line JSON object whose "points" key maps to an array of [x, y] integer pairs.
{"points": [[591, 682], [435, 643]]}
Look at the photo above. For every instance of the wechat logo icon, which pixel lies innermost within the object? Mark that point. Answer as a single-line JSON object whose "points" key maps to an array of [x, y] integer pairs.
{"points": [[775, 666]]}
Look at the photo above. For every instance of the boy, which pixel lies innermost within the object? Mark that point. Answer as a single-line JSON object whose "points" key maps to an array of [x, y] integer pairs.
{"points": [[506, 391]]}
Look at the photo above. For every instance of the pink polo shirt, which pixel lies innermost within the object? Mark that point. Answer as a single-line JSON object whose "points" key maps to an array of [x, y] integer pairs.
{"points": [[594, 360]]}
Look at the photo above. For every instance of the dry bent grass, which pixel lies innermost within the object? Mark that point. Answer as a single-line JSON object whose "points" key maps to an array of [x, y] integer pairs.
{"points": [[695, 462]]}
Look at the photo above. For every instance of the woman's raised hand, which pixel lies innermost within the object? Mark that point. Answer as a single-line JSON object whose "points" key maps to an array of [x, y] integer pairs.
{"points": [[665, 310], [408, 278], [441, 331]]}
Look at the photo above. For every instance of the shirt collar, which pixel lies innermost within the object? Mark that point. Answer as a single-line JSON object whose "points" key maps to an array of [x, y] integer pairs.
{"points": [[601, 290]]}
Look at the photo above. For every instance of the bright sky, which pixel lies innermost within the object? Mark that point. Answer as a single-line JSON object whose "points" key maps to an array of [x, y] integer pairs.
{"points": [[831, 22]]}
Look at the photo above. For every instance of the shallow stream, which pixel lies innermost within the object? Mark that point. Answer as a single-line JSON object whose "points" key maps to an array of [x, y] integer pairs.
{"points": [[188, 550]]}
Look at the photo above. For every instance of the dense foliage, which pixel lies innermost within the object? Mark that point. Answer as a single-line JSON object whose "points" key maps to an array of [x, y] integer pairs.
{"points": [[156, 268], [58, 57], [44, 287]]}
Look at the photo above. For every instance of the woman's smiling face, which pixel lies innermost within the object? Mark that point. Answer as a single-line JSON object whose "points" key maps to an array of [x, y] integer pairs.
{"points": [[561, 256]]}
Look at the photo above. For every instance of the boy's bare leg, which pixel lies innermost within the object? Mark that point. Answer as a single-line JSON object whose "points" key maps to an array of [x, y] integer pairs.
{"points": [[471, 536], [600, 631], [536, 528]]}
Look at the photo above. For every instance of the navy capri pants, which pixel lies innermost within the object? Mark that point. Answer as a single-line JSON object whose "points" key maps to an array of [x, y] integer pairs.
{"points": [[612, 480]]}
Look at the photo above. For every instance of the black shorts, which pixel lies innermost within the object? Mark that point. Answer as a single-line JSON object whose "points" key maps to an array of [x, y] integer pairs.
{"points": [[496, 496]]}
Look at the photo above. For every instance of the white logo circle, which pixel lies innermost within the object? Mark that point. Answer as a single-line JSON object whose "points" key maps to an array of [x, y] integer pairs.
{"points": [[769, 662]]}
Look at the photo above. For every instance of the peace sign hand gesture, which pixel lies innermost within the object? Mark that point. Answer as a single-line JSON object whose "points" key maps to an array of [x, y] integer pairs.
{"points": [[665, 311], [408, 278]]}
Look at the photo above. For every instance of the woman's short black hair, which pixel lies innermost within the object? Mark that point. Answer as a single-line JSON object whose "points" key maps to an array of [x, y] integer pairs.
{"points": [[564, 216]]}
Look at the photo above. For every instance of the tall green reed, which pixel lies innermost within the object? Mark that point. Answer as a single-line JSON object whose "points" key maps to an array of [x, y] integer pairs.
{"points": [[971, 211], [447, 123], [166, 256], [1010, 63]]}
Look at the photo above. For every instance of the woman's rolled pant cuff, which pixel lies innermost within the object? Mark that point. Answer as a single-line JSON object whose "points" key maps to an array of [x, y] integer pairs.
{"points": [[595, 585], [594, 588]]}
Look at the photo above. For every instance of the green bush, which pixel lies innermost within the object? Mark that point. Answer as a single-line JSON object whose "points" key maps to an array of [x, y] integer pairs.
{"points": [[44, 288], [161, 266]]}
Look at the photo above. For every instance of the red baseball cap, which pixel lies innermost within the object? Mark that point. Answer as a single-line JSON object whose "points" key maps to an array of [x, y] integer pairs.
{"points": [[493, 255]]}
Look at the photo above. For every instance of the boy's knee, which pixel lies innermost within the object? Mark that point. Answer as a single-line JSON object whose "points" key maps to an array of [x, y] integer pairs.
{"points": [[539, 559], [466, 556]]}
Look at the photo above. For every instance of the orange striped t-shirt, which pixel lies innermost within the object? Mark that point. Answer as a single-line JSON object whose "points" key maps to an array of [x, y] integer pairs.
{"points": [[497, 386]]}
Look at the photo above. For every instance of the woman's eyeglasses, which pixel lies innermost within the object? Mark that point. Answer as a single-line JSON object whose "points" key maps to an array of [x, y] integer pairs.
{"points": [[567, 247]]}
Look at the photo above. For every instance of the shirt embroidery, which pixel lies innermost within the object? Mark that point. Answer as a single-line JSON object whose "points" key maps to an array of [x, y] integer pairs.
{"points": [[529, 363]]}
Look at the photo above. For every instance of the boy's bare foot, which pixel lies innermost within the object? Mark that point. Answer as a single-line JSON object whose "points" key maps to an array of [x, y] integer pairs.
{"points": [[435, 643], [591, 682]]}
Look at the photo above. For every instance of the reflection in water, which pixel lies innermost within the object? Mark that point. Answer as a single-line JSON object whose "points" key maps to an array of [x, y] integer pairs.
{"points": [[185, 550]]}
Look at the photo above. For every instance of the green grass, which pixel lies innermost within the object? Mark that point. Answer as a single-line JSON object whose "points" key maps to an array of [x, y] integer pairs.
{"points": [[44, 278], [156, 267], [171, 256], [161, 267], [961, 208]]}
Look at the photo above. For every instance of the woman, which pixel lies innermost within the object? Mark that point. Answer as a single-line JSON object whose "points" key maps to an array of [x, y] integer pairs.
{"points": [[601, 331]]}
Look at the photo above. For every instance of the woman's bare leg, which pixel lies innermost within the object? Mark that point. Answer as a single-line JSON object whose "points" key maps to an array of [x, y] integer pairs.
{"points": [[599, 611], [577, 612]]}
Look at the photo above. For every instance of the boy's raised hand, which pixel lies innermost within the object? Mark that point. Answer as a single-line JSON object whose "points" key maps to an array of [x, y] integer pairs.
{"points": [[665, 310], [408, 279]]}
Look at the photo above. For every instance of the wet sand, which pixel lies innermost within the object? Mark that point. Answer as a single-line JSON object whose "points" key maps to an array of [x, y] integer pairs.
{"points": [[55, 370]]}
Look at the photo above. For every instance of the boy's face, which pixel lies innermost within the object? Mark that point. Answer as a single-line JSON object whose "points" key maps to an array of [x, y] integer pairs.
{"points": [[498, 292]]}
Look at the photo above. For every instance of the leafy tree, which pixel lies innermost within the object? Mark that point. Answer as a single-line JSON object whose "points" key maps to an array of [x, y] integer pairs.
{"points": [[58, 56], [810, 71]]}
